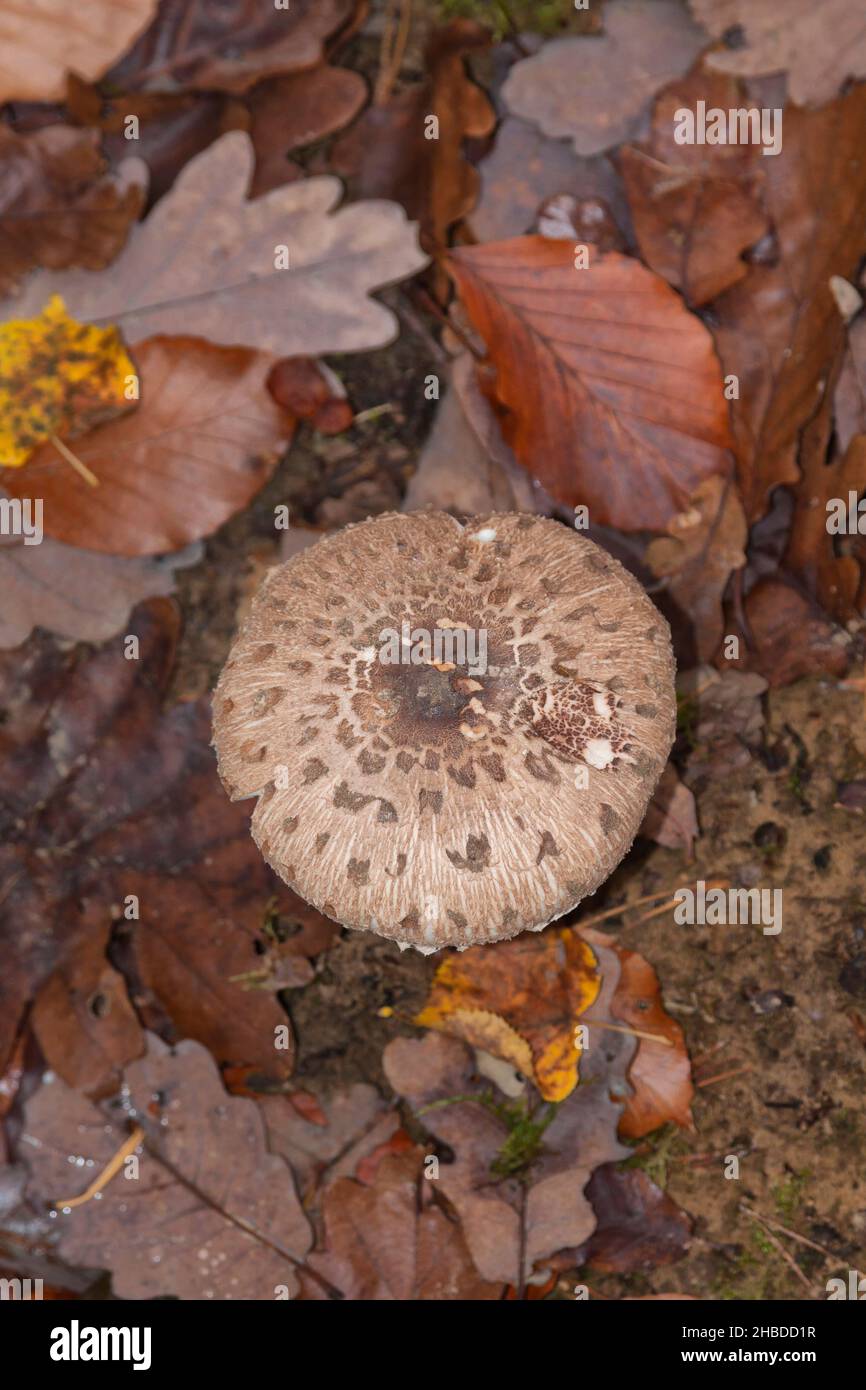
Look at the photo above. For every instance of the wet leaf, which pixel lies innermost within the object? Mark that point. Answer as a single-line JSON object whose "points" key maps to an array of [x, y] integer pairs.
{"points": [[57, 377], [41, 43], [613, 391], [221, 281], [59, 206], [202, 441], [639, 1226], [180, 1230], [595, 88], [818, 46]]}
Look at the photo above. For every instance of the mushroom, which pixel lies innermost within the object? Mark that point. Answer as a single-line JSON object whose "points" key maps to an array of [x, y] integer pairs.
{"points": [[453, 730]]}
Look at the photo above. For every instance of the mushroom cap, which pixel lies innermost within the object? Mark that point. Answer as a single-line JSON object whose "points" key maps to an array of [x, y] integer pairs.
{"points": [[403, 789]]}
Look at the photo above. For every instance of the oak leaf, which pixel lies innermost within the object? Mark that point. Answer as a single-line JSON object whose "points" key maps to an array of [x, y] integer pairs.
{"points": [[612, 389], [44, 40], [221, 282], [57, 377]]}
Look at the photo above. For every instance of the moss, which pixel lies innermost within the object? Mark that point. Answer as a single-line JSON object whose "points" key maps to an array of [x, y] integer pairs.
{"points": [[788, 1195], [549, 17], [666, 1144]]}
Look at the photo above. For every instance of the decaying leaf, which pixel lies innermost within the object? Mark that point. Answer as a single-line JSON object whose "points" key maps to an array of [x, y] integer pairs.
{"points": [[43, 41], [298, 109], [671, 818], [222, 280], [818, 46], [203, 439], [849, 400], [75, 593], [595, 88], [58, 377], [696, 207], [181, 1229], [824, 546], [659, 1074], [613, 390], [389, 153], [387, 1239], [536, 986], [789, 635], [704, 545], [88, 759], [354, 1122], [779, 330], [228, 47], [58, 205], [639, 1226]]}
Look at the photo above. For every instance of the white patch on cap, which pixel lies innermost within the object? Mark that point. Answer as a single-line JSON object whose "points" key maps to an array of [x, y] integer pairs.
{"points": [[598, 752], [600, 705], [487, 533]]}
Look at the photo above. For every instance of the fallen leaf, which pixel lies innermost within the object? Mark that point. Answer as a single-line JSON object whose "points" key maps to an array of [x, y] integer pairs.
{"points": [[613, 389], [75, 593], [42, 42], [221, 283], [639, 1226], [310, 391], [704, 545], [519, 1000], [722, 716], [180, 1229], [204, 438], [465, 465], [828, 562], [779, 330], [849, 400], [389, 1240], [595, 88], [296, 110], [88, 758], [512, 1224], [819, 47], [659, 1074], [83, 1020], [525, 168], [389, 153], [695, 208], [228, 47], [59, 206], [57, 377], [671, 819], [789, 635], [320, 1149]]}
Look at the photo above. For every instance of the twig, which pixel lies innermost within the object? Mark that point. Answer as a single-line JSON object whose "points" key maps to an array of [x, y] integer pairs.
{"points": [[786, 1231], [724, 1075], [777, 1245], [80, 468], [113, 1166], [632, 1032], [393, 49]]}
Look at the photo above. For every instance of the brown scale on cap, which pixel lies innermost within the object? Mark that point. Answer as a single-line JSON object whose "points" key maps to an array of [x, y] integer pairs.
{"points": [[428, 789]]}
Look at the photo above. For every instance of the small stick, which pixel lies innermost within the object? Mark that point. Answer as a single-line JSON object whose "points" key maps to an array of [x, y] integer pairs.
{"points": [[777, 1245], [108, 1172], [711, 1052], [786, 1231], [632, 1032], [638, 902], [724, 1075], [80, 468]]}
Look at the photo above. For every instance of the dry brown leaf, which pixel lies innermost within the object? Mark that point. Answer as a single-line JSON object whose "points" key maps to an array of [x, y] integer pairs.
{"points": [[672, 817], [704, 545], [695, 207], [828, 563], [296, 110], [819, 46], [388, 154], [188, 1230], [58, 205], [320, 1150], [220, 281], [660, 1074], [595, 88], [75, 593], [639, 1226], [613, 389], [790, 636], [849, 400], [205, 437], [389, 1240], [779, 330], [42, 41]]}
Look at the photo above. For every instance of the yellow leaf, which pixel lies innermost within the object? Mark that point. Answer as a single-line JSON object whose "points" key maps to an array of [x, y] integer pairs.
{"points": [[520, 1000], [57, 377]]}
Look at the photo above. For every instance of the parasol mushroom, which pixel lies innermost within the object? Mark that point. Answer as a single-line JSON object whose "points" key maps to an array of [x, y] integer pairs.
{"points": [[453, 730]]}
